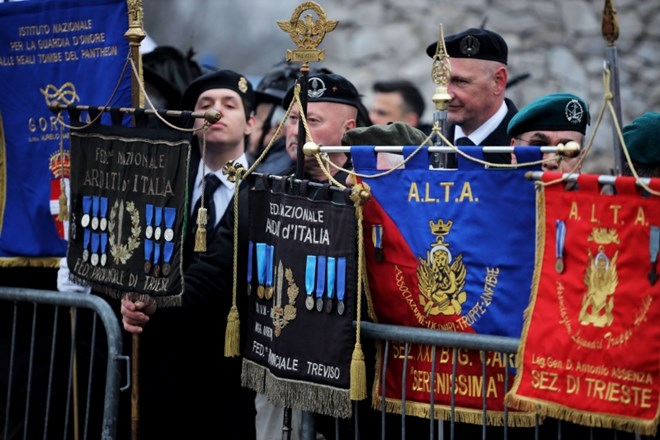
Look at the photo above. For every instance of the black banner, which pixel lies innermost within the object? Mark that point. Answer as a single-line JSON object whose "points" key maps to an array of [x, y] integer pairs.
{"points": [[302, 278], [128, 209]]}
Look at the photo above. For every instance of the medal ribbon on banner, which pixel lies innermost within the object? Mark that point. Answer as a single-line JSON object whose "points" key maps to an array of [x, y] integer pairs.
{"points": [[455, 259], [299, 345], [601, 366], [126, 235]]}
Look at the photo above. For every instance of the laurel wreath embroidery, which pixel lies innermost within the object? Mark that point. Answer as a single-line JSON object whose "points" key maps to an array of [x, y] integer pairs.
{"points": [[123, 252], [283, 315]]}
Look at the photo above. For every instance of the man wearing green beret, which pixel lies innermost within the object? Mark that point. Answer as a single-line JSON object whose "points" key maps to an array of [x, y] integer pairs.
{"points": [[557, 118], [642, 138], [395, 133]]}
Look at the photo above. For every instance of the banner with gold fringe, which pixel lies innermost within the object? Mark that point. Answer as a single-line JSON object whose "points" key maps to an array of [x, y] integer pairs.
{"points": [[590, 350], [66, 51], [301, 307], [128, 209], [449, 250]]}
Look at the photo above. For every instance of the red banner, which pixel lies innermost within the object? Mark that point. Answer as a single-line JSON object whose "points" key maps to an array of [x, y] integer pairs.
{"points": [[590, 349]]}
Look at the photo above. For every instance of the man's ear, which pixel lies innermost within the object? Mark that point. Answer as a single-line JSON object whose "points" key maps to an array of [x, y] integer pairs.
{"points": [[501, 77], [350, 124], [514, 159], [250, 124]]}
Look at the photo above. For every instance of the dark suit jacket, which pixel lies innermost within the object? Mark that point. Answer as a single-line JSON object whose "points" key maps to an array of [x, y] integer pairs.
{"points": [[194, 391], [497, 137]]}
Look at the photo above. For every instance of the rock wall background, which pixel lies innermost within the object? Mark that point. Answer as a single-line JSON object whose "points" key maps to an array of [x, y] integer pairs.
{"points": [[558, 42]]}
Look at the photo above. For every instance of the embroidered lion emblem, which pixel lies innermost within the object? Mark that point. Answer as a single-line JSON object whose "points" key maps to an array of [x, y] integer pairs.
{"points": [[441, 279]]}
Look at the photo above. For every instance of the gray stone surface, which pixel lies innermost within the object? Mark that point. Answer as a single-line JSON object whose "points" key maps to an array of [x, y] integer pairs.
{"points": [[558, 42]]}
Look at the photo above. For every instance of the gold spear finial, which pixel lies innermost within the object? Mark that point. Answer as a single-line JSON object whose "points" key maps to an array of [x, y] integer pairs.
{"points": [[610, 24], [441, 73], [135, 33], [307, 33]]}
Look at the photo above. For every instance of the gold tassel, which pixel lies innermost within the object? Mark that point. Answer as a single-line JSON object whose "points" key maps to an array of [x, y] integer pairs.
{"points": [[200, 234], [358, 374], [64, 212], [232, 335], [359, 195]]}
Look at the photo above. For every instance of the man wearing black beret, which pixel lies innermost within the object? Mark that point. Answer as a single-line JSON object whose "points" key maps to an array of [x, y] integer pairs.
{"points": [[478, 112], [191, 389], [553, 119], [334, 106]]}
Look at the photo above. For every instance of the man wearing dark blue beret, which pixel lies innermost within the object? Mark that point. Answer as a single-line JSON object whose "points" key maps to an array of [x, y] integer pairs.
{"points": [[553, 119], [478, 112], [186, 378]]}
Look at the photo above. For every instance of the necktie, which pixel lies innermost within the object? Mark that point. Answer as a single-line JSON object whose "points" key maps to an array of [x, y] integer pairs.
{"points": [[464, 141], [211, 183]]}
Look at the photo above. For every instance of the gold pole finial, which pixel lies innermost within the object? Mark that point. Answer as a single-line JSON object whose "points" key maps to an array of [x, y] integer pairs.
{"points": [[441, 73], [135, 34], [307, 33], [610, 23]]}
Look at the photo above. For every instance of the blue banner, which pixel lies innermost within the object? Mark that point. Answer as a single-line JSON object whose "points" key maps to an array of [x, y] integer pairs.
{"points": [[73, 52], [453, 250], [458, 244]]}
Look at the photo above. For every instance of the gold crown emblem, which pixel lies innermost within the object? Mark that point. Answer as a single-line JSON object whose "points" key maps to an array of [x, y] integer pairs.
{"points": [[604, 236], [440, 228], [60, 164]]}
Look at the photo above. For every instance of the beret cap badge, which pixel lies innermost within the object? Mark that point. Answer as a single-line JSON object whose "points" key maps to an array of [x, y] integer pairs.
{"points": [[242, 84], [469, 45], [316, 88], [574, 111]]}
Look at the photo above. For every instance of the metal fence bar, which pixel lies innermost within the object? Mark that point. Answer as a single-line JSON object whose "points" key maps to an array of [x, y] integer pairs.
{"points": [[112, 387], [484, 343]]}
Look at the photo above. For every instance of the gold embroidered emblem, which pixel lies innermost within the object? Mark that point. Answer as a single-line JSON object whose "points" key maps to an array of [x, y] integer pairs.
{"points": [[66, 94], [601, 279], [282, 315], [441, 280], [123, 252], [60, 164]]}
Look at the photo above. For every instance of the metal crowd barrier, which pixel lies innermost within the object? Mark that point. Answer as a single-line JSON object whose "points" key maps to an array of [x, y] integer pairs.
{"points": [[59, 373], [450, 429]]}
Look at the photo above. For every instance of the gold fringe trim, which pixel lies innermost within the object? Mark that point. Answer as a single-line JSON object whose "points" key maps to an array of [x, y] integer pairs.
{"points": [[461, 415], [594, 420], [320, 399], [253, 376], [112, 292], [232, 335], [47, 262]]}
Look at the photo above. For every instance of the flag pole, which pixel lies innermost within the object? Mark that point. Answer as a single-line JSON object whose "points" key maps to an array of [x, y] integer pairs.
{"points": [[610, 30], [305, 53], [135, 34], [440, 74]]}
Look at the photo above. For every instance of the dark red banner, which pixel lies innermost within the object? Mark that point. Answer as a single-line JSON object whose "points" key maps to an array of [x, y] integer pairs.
{"points": [[590, 350]]}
